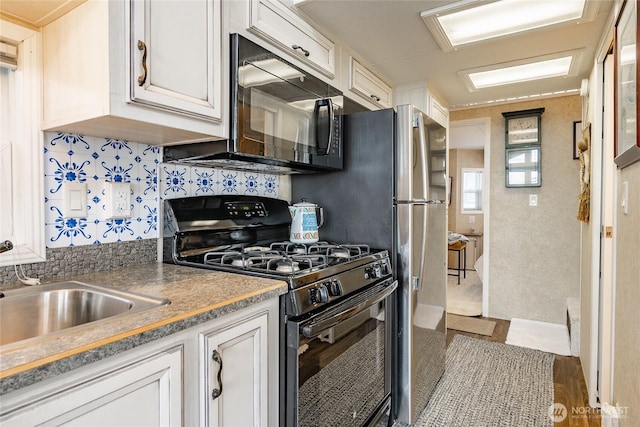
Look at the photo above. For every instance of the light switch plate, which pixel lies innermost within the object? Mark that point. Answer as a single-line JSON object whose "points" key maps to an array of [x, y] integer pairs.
{"points": [[625, 198], [74, 196]]}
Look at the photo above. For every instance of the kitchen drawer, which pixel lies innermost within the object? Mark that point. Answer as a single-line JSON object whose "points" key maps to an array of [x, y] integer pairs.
{"points": [[282, 27], [366, 84]]}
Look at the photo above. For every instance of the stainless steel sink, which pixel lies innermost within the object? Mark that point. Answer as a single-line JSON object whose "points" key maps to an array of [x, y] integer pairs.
{"points": [[42, 310]]}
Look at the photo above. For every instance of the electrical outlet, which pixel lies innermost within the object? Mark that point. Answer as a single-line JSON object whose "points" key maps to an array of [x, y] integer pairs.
{"points": [[117, 200], [533, 200]]}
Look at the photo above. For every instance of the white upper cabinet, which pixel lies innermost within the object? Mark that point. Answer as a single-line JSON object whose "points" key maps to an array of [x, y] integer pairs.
{"points": [[176, 56], [368, 85], [423, 98], [144, 70], [281, 26]]}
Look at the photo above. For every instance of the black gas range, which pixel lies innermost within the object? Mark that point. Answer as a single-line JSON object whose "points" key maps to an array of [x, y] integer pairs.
{"points": [[337, 320], [248, 235]]}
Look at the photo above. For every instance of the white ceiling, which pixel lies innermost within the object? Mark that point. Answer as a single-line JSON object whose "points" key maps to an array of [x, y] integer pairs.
{"points": [[391, 36]]}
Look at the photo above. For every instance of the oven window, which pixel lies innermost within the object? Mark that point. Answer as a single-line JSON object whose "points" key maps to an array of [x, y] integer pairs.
{"points": [[342, 372]]}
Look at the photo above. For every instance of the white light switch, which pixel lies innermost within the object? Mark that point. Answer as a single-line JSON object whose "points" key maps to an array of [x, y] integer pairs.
{"points": [[74, 196], [533, 200], [117, 200]]}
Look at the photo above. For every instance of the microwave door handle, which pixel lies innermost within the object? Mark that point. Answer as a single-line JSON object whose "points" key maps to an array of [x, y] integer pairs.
{"points": [[313, 329], [324, 147], [331, 125]]}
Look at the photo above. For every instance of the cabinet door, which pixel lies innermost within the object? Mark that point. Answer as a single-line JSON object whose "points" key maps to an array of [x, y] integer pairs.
{"points": [[365, 83], [176, 56], [273, 21], [438, 111], [145, 393], [236, 377]]}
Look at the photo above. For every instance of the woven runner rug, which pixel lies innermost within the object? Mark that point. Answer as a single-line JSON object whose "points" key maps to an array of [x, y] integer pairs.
{"points": [[491, 384]]}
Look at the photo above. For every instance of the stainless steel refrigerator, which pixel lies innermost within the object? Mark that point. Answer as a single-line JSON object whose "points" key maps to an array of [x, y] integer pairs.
{"points": [[392, 194]]}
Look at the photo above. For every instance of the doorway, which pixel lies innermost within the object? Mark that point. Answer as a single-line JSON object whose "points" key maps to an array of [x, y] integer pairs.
{"points": [[469, 144]]}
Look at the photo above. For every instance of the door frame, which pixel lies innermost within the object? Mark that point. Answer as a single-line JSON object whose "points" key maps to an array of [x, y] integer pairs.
{"points": [[484, 126], [598, 369]]}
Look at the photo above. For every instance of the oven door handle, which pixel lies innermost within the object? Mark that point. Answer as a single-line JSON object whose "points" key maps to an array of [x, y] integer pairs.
{"points": [[314, 329]]}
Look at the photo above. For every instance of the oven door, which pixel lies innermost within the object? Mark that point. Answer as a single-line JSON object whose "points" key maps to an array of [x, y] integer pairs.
{"points": [[338, 361]]}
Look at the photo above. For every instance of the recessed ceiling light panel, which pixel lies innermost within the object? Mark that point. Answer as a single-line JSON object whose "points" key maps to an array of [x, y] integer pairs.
{"points": [[560, 64], [468, 22]]}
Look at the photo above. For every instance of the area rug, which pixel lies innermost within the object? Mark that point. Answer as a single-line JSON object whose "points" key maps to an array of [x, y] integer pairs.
{"points": [[543, 336], [465, 299], [470, 324], [491, 384]]}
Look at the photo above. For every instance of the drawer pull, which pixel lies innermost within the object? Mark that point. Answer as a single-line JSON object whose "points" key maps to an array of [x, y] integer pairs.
{"points": [[143, 77], [218, 359], [375, 98], [301, 49]]}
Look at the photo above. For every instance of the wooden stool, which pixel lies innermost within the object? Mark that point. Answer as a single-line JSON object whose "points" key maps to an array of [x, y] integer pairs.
{"points": [[461, 248]]}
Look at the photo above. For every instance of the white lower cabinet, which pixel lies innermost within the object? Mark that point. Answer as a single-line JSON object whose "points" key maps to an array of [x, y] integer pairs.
{"points": [[147, 392], [236, 377], [168, 382]]}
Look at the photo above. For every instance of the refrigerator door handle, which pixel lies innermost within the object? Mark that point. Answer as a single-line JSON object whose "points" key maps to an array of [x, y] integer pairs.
{"points": [[417, 285], [423, 154]]}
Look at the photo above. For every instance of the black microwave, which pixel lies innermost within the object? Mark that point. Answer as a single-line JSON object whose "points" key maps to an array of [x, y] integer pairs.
{"points": [[282, 119]]}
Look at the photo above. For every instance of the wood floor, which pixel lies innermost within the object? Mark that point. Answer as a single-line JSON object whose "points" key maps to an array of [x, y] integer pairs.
{"points": [[569, 386]]}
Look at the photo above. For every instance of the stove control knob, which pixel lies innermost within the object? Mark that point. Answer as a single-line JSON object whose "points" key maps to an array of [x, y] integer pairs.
{"points": [[368, 273], [335, 288], [319, 294], [373, 272], [377, 271]]}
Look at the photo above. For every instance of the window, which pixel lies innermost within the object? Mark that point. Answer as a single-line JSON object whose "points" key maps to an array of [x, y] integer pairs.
{"points": [[21, 157], [523, 167], [471, 191]]}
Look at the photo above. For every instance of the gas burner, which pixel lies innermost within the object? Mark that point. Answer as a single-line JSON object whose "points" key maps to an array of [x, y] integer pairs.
{"points": [[339, 252], [241, 262], [288, 266]]}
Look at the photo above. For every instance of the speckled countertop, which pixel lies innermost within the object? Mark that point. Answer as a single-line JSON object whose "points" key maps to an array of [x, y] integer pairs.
{"points": [[196, 296]]}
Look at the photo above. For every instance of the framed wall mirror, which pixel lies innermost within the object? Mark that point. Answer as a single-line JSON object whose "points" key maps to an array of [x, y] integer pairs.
{"points": [[626, 88], [523, 167]]}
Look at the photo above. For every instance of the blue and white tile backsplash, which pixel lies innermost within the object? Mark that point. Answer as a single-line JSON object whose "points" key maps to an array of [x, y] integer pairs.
{"points": [[83, 159]]}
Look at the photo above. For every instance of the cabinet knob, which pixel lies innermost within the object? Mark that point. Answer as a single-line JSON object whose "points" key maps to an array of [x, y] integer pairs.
{"points": [[143, 77], [301, 49], [216, 357]]}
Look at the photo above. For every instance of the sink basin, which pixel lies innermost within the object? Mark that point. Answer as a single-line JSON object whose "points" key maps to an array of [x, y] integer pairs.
{"points": [[42, 310]]}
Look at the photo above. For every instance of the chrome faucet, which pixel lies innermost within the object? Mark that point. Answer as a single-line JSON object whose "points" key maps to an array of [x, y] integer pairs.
{"points": [[6, 246]]}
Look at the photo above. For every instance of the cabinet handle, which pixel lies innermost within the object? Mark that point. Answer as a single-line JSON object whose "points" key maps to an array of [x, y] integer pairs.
{"points": [[301, 49], [375, 98], [143, 77], [218, 359]]}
